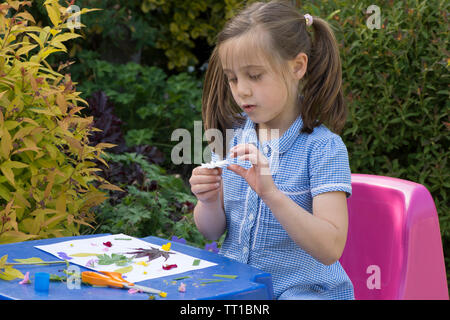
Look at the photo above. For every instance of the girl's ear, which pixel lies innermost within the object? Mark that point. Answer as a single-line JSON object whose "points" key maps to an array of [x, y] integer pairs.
{"points": [[299, 65]]}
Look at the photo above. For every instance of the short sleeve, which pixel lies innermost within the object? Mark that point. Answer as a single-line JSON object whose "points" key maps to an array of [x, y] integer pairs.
{"points": [[329, 168]]}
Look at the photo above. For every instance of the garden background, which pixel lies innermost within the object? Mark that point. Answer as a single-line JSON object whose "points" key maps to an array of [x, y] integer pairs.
{"points": [[140, 65]]}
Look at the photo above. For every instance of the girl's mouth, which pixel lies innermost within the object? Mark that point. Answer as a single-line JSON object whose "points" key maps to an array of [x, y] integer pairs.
{"points": [[248, 107]]}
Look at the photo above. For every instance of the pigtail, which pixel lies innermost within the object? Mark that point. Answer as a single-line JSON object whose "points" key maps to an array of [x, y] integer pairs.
{"points": [[323, 100]]}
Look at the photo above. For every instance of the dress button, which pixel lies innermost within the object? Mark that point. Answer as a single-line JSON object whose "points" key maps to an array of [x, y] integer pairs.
{"points": [[266, 150], [245, 249], [250, 217]]}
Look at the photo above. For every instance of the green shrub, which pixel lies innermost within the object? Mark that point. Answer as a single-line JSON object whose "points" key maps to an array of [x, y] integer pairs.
{"points": [[151, 104], [155, 202], [46, 162], [170, 34], [396, 81]]}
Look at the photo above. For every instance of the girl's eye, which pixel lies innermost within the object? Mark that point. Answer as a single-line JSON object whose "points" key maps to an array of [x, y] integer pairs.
{"points": [[256, 77]]}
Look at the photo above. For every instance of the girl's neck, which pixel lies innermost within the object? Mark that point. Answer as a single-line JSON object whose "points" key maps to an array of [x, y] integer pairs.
{"points": [[282, 124]]}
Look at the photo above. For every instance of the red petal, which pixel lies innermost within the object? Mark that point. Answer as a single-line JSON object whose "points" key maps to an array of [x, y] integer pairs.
{"points": [[108, 244], [169, 266]]}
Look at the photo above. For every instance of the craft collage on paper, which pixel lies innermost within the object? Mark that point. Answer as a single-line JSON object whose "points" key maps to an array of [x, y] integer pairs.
{"points": [[136, 259]]}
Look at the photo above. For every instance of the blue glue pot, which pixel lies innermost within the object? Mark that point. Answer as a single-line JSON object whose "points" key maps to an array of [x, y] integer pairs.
{"points": [[41, 281]]}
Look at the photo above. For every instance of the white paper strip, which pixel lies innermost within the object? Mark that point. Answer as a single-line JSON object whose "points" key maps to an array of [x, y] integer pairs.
{"points": [[217, 164]]}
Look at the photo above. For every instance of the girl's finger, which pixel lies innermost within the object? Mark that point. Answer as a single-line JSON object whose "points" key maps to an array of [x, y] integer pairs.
{"points": [[201, 188], [243, 148], [249, 157], [206, 195], [238, 170], [255, 159], [206, 171], [204, 179]]}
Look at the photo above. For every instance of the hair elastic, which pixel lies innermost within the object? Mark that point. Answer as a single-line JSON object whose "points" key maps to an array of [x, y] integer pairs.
{"points": [[309, 19]]}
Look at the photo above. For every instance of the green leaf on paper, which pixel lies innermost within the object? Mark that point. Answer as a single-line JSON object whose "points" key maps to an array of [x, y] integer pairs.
{"points": [[117, 259], [196, 262], [85, 254], [124, 269]]}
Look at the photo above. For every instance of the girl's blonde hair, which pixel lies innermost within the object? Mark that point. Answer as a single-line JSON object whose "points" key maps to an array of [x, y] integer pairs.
{"points": [[287, 35]]}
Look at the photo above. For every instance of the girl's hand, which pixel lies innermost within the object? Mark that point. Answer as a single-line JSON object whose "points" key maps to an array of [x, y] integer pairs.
{"points": [[258, 176], [206, 183]]}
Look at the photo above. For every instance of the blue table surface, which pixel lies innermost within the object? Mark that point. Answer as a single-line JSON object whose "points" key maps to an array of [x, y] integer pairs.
{"points": [[251, 283]]}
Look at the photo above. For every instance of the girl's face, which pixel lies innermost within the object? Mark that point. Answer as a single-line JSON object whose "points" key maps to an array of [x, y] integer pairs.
{"points": [[256, 88]]}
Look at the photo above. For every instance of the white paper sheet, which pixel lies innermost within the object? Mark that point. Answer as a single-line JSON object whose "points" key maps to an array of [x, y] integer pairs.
{"points": [[142, 269]]}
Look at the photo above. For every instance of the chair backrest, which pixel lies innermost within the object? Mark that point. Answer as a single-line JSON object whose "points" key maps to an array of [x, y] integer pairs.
{"points": [[394, 248]]}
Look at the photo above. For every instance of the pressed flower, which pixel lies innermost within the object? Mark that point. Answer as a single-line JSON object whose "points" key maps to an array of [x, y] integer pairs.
{"points": [[166, 247], [142, 263], [182, 287], [63, 255], [91, 263], [108, 244], [26, 279], [151, 253], [133, 291], [169, 266]]}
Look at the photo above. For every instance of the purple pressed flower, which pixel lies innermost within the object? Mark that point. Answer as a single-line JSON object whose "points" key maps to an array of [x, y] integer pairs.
{"points": [[91, 263], [212, 247], [63, 255], [179, 240]]}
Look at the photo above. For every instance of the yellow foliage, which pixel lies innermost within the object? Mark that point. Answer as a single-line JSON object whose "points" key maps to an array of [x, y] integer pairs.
{"points": [[46, 162]]}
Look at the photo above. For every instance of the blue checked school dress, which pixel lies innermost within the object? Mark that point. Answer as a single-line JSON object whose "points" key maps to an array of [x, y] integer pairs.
{"points": [[302, 166]]}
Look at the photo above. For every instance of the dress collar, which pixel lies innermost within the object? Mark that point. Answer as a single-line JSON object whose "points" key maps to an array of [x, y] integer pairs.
{"points": [[282, 144]]}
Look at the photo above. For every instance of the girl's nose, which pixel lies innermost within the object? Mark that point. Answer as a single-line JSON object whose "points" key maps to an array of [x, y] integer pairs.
{"points": [[243, 89]]}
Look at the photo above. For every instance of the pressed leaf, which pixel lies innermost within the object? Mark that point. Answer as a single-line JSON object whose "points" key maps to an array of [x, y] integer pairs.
{"points": [[30, 260], [3, 260], [85, 254], [124, 269], [10, 273]]}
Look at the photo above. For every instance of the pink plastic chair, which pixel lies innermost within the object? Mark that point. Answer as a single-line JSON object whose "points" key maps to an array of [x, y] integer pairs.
{"points": [[394, 249]]}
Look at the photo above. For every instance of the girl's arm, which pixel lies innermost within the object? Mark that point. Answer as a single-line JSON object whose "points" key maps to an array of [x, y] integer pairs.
{"points": [[209, 217], [322, 234]]}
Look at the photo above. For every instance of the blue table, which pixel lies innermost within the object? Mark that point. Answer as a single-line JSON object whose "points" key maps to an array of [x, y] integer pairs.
{"points": [[251, 283]]}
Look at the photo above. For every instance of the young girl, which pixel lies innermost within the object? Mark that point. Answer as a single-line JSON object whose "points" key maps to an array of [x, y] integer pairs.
{"points": [[282, 201]]}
